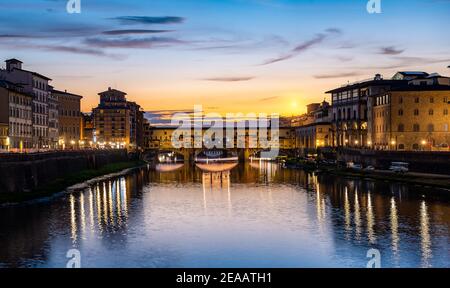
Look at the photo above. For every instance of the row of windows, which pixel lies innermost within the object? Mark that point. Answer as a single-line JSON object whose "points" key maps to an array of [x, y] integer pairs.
{"points": [[347, 114], [40, 85], [40, 108], [70, 113], [417, 112], [40, 120], [19, 129], [40, 132], [417, 100], [20, 113], [72, 130], [415, 128], [14, 99]]}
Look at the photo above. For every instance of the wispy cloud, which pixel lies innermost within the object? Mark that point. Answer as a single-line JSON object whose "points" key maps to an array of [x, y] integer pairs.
{"points": [[127, 20], [134, 31], [229, 79], [128, 42], [336, 75], [302, 47], [269, 98], [391, 50]]}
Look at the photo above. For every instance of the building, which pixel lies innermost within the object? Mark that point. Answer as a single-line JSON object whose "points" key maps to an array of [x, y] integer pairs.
{"points": [[352, 108], [37, 85], [15, 118], [112, 120], [53, 120], [69, 118], [136, 125], [87, 129], [314, 129], [414, 117]]}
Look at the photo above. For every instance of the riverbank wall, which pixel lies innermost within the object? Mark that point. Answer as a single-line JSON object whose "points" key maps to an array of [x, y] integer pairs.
{"points": [[419, 161], [22, 173]]}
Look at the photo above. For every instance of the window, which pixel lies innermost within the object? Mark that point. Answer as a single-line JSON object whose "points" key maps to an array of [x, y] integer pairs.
{"points": [[416, 128], [430, 127], [400, 112], [400, 100], [445, 111], [431, 100], [416, 112], [401, 147], [445, 127], [401, 128], [430, 112], [415, 146], [417, 100]]}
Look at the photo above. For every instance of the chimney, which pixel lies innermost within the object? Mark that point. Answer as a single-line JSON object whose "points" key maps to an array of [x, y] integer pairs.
{"points": [[13, 64], [378, 77]]}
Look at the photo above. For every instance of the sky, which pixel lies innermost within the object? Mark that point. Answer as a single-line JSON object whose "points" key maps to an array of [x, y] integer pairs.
{"points": [[230, 56]]}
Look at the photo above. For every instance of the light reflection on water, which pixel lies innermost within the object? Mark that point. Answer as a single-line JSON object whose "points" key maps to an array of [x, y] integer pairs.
{"points": [[256, 215]]}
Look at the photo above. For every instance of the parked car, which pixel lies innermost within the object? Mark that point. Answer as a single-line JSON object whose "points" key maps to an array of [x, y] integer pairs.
{"points": [[369, 168], [399, 167], [354, 166]]}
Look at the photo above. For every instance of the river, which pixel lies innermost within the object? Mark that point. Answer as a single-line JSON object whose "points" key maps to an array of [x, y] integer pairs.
{"points": [[254, 215]]}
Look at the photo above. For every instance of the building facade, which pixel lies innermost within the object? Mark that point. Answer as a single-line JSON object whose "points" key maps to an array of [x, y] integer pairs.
{"points": [[16, 118], [413, 118], [53, 120], [69, 118], [37, 85], [112, 120], [87, 129]]}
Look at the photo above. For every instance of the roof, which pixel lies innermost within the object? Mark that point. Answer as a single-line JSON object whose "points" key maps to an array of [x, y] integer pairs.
{"points": [[112, 90], [66, 93], [13, 60], [366, 84], [35, 74], [409, 73], [422, 88], [13, 87]]}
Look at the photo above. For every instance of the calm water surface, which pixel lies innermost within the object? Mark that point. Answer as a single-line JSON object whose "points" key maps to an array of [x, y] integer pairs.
{"points": [[252, 216]]}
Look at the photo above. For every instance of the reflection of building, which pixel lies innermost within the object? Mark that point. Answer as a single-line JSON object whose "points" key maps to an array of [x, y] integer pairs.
{"points": [[15, 117], [69, 118], [37, 85], [415, 117]]}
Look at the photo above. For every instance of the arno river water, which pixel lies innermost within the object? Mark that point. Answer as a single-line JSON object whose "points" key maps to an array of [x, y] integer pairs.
{"points": [[257, 215]]}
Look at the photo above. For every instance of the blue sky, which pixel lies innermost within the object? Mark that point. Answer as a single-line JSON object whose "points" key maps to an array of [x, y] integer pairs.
{"points": [[229, 56]]}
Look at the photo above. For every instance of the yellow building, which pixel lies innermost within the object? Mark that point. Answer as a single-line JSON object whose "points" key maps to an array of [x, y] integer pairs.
{"points": [[112, 120], [69, 118], [412, 118]]}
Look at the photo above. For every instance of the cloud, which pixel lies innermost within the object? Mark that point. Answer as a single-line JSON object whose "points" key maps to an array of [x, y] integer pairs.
{"points": [[336, 75], [391, 50], [229, 79], [127, 20], [269, 98], [317, 39], [134, 31], [128, 42]]}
